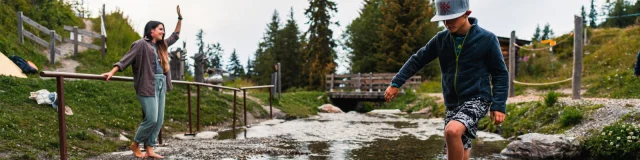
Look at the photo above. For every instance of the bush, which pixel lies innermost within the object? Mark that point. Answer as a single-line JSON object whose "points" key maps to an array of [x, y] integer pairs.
{"points": [[570, 116], [617, 141], [551, 99]]}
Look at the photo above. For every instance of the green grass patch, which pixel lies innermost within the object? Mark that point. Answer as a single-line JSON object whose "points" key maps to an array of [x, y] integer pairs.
{"points": [[617, 141], [50, 14], [109, 107], [120, 36], [296, 104], [532, 117], [431, 86]]}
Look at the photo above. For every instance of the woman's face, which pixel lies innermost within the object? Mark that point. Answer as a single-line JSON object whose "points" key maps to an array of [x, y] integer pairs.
{"points": [[158, 32]]}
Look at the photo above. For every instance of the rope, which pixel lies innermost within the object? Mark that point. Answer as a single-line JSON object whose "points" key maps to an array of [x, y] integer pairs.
{"points": [[545, 48], [541, 84]]}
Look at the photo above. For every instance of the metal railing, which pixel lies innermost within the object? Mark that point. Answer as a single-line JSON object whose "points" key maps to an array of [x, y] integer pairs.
{"points": [[60, 77]]}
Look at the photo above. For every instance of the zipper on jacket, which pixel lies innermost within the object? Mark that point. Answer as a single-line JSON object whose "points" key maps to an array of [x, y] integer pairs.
{"points": [[455, 76]]}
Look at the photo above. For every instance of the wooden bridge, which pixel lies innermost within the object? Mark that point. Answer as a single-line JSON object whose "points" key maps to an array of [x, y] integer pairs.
{"points": [[347, 90]]}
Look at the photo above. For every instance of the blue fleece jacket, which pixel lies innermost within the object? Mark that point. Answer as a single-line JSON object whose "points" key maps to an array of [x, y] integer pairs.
{"points": [[471, 74]]}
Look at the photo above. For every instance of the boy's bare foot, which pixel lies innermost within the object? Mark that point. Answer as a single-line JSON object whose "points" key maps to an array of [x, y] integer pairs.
{"points": [[136, 150], [152, 154]]}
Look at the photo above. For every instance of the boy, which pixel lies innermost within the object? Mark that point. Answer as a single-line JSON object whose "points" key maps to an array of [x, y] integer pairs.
{"points": [[471, 61]]}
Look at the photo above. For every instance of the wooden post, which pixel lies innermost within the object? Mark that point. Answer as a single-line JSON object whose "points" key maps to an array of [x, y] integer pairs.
{"points": [[52, 46], [244, 107], [233, 128], [75, 41], [160, 136], [279, 80], [62, 129], [274, 82], [20, 28], [270, 104], [198, 110], [371, 82], [332, 79], [577, 58], [104, 46], [585, 36], [189, 105], [512, 63], [359, 82]]}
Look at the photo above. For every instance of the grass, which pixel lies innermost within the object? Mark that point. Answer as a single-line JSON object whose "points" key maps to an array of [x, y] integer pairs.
{"points": [[50, 14], [109, 107], [296, 104], [120, 37], [533, 117], [608, 64], [431, 86], [239, 82]]}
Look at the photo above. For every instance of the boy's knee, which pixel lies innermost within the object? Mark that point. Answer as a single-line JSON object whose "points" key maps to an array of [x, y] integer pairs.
{"points": [[454, 129]]}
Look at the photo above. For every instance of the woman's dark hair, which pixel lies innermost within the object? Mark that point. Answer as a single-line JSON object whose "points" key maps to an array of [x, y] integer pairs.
{"points": [[163, 53]]}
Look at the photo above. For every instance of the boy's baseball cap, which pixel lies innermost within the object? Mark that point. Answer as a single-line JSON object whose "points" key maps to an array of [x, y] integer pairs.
{"points": [[450, 9]]}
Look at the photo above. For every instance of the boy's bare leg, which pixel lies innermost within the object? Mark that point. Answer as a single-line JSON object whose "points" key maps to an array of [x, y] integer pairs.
{"points": [[466, 153], [453, 137]]}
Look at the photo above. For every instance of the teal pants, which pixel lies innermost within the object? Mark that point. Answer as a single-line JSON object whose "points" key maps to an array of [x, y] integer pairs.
{"points": [[153, 109]]}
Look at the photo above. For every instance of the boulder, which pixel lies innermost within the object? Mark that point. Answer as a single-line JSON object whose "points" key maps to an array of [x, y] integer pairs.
{"points": [[328, 108], [541, 146]]}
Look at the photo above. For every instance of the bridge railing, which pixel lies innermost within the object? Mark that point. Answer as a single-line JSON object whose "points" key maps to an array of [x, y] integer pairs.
{"points": [[60, 77], [368, 82]]}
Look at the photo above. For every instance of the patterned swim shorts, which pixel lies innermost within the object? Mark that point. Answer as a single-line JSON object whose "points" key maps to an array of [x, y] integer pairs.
{"points": [[469, 113]]}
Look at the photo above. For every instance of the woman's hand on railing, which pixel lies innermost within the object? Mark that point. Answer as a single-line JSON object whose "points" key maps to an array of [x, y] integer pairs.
{"points": [[109, 74]]}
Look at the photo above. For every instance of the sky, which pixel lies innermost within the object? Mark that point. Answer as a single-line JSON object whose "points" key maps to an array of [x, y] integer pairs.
{"points": [[240, 24]]}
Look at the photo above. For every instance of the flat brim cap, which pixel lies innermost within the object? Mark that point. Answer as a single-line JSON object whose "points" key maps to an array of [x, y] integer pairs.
{"points": [[450, 9]]}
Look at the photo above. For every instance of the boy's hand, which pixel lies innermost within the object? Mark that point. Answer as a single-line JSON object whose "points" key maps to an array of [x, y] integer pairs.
{"points": [[497, 117], [390, 93]]}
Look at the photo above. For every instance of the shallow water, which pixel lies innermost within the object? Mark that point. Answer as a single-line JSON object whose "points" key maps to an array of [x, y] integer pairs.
{"points": [[365, 136]]}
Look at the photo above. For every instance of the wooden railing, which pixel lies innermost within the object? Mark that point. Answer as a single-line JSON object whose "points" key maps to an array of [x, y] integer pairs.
{"points": [[60, 76], [371, 82], [77, 32], [51, 44]]}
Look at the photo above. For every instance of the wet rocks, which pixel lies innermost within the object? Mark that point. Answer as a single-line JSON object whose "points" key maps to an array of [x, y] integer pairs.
{"points": [[386, 111], [541, 146], [201, 135], [123, 138], [328, 108]]}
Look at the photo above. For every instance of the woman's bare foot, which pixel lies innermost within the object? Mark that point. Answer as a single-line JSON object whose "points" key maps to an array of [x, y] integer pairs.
{"points": [[136, 150], [152, 154]]}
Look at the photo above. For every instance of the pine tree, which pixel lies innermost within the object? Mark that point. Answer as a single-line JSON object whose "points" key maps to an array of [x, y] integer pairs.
{"points": [[319, 51], [234, 66], [547, 33], [593, 15], [536, 35], [360, 36], [249, 73], [288, 49], [405, 28], [200, 43], [214, 52], [265, 54], [584, 15]]}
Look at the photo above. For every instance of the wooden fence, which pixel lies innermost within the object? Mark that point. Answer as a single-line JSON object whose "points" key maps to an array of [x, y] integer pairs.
{"points": [[372, 82]]}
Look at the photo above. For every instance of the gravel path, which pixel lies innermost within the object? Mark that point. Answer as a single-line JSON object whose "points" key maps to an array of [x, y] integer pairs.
{"points": [[217, 149]]}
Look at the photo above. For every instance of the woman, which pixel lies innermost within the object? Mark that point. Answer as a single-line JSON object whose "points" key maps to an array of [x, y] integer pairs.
{"points": [[149, 57]]}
